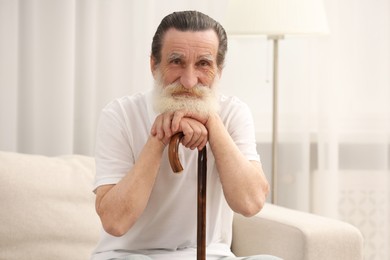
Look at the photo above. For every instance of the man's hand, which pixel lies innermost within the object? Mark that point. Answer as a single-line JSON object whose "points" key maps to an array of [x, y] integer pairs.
{"points": [[192, 126]]}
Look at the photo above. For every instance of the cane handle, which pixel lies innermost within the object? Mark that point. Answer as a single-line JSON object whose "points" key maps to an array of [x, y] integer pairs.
{"points": [[173, 153]]}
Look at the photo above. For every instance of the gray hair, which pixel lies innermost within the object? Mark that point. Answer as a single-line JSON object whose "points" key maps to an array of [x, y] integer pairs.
{"points": [[189, 21]]}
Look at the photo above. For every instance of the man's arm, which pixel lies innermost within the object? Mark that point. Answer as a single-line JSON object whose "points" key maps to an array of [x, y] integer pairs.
{"points": [[120, 205], [244, 184]]}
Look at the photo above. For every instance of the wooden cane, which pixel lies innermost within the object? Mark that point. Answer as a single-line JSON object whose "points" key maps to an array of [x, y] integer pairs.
{"points": [[202, 184]]}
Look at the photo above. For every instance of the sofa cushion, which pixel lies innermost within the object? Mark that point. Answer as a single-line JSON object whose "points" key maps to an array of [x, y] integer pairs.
{"points": [[47, 207]]}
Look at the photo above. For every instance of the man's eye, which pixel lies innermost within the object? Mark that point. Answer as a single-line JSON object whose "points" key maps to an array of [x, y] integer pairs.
{"points": [[204, 63], [176, 61]]}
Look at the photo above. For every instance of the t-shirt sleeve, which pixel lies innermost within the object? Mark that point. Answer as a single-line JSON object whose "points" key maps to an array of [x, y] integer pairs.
{"points": [[113, 154], [240, 125]]}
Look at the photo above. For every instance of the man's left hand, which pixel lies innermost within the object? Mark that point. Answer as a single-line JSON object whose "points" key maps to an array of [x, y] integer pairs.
{"points": [[191, 124]]}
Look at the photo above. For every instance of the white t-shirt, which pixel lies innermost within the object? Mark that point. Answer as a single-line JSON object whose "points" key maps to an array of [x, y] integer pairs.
{"points": [[167, 228]]}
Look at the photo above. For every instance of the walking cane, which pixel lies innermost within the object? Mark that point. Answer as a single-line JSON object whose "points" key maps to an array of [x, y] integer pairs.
{"points": [[202, 182]]}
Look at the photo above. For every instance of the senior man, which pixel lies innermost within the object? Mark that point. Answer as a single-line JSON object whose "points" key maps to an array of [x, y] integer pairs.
{"points": [[147, 212]]}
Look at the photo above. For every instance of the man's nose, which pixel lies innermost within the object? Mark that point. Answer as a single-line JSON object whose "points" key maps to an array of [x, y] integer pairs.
{"points": [[189, 78]]}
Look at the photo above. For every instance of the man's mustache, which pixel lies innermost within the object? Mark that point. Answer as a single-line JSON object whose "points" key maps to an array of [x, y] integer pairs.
{"points": [[178, 90]]}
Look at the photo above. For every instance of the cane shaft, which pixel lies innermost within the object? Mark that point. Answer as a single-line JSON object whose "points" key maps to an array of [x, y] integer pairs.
{"points": [[202, 182], [202, 188]]}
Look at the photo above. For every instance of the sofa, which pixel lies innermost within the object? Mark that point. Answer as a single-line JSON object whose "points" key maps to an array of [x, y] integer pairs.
{"points": [[47, 212]]}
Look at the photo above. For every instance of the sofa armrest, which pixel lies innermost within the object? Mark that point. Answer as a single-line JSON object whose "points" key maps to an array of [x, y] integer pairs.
{"points": [[295, 235]]}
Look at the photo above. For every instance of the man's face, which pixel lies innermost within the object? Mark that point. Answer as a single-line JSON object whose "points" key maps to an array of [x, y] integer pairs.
{"points": [[189, 57], [187, 72]]}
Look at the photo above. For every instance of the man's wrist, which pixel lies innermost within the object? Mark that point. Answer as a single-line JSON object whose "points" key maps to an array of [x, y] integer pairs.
{"points": [[157, 143], [212, 120]]}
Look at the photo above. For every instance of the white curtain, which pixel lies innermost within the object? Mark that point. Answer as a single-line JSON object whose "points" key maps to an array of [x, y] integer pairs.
{"points": [[61, 61]]}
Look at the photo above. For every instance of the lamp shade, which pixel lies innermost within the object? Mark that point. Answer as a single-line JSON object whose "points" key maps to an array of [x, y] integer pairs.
{"points": [[276, 17]]}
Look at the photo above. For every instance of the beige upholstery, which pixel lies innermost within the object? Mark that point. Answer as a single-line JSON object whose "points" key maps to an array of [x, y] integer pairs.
{"points": [[295, 235], [47, 207], [47, 212]]}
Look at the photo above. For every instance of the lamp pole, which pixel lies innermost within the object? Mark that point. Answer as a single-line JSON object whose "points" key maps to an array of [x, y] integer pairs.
{"points": [[274, 171]]}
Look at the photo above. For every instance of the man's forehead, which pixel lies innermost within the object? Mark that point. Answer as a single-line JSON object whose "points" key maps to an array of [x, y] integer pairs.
{"points": [[179, 43]]}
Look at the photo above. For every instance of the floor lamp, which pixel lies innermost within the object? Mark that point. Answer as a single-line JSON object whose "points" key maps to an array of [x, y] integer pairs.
{"points": [[277, 19]]}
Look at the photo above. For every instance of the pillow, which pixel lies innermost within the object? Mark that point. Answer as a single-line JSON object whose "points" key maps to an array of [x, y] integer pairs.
{"points": [[47, 207]]}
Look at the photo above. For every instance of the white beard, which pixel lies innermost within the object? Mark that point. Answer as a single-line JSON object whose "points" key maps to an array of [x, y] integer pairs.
{"points": [[199, 99]]}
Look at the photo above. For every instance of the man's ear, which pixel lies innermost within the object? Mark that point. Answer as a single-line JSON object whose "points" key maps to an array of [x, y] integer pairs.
{"points": [[153, 65], [220, 69]]}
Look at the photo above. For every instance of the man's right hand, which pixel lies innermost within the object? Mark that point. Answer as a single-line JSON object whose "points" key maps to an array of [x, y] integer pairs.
{"points": [[195, 132]]}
